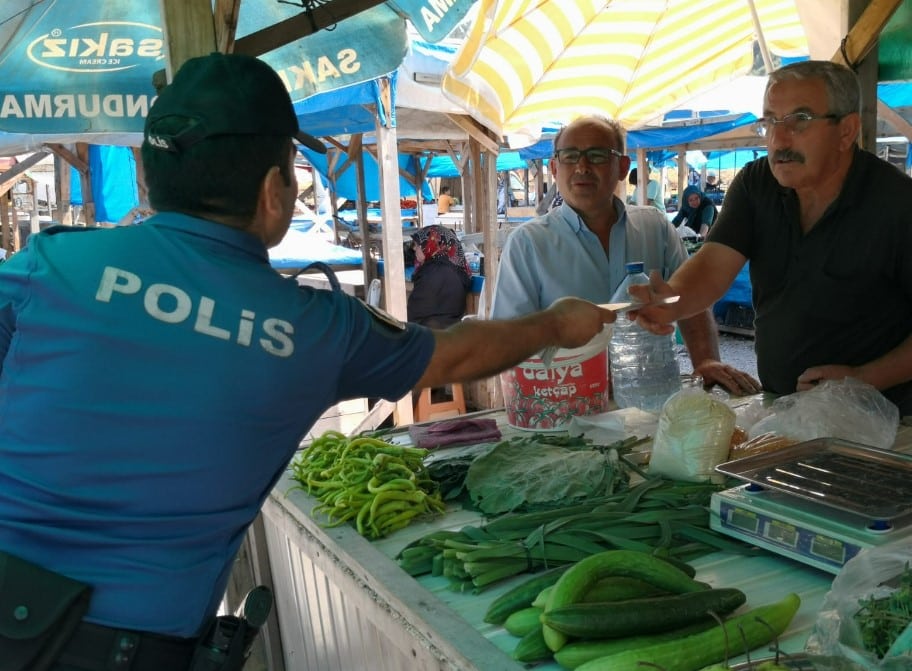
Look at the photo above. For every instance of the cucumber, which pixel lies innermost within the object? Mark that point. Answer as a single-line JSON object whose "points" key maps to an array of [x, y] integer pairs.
{"points": [[650, 615], [580, 577], [523, 621], [739, 634], [579, 652], [521, 596], [532, 647], [613, 588]]}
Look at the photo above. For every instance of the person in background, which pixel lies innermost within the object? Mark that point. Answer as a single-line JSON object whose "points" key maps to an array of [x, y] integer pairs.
{"points": [[697, 212], [827, 228], [654, 195], [712, 183], [580, 248], [126, 462], [445, 201], [441, 280]]}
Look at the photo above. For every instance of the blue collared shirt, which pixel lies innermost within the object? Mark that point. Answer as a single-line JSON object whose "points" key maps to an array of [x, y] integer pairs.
{"points": [[156, 379], [556, 255]]}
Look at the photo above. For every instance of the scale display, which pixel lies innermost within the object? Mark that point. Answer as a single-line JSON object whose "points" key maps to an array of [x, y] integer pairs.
{"points": [[819, 502], [810, 533]]}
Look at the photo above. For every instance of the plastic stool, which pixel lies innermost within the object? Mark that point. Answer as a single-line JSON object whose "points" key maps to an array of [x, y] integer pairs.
{"points": [[425, 409]]}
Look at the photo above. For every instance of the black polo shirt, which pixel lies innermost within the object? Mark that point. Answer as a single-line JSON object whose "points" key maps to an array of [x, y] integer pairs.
{"points": [[840, 294]]}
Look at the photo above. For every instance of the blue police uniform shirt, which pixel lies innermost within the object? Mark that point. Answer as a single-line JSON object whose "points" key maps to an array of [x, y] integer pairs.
{"points": [[556, 255], [156, 380]]}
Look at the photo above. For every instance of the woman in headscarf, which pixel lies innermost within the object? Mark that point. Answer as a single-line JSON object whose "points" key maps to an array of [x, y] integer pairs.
{"points": [[697, 211], [441, 280]]}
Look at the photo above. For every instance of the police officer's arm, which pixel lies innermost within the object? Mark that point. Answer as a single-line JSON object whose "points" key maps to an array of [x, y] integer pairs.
{"points": [[474, 349]]}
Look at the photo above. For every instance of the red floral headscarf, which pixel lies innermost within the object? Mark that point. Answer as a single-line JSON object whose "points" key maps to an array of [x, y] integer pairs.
{"points": [[438, 241]]}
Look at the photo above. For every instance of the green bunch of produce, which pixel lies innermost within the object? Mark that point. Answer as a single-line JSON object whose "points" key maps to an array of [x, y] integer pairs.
{"points": [[656, 516], [883, 619], [377, 486], [649, 614]]}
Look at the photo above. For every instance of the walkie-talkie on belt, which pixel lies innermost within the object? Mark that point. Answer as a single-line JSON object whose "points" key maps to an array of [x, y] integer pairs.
{"points": [[226, 645]]}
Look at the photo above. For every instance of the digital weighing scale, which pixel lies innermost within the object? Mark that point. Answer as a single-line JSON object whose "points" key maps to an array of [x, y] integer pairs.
{"points": [[818, 502]]}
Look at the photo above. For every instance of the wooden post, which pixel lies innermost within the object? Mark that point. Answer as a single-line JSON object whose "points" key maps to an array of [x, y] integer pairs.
{"points": [[189, 30], [683, 174], [642, 189], [356, 155], [141, 188], [5, 220], [85, 179], [34, 220], [394, 299]]}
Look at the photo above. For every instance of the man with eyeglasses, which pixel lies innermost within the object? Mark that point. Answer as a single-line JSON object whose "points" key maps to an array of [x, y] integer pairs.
{"points": [[827, 228], [580, 248]]}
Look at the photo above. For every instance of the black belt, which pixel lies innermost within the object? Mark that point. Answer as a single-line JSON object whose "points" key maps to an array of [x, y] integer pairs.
{"points": [[97, 648]]}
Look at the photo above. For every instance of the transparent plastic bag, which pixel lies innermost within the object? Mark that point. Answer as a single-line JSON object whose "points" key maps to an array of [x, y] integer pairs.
{"points": [[872, 572], [849, 409], [693, 436]]}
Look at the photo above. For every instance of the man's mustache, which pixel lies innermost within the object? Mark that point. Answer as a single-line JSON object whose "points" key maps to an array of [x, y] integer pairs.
{"points": [[788, 155]]}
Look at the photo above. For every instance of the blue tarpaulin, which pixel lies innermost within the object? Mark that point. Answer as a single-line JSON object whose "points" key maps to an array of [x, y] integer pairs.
{"points": [[114, 190], [346, 184], [739, 293], [653, 138], [443, 166]]}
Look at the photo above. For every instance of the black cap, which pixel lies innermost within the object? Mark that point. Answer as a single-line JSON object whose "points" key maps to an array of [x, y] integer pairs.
{"points": [[225, 94]]}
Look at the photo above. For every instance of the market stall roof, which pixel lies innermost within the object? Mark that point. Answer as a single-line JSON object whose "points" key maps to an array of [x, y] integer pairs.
{"points": [[83, 71]]}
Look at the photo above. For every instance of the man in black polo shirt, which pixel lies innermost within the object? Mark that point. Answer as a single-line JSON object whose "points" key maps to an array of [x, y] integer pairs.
{"points": [[827, 228]]}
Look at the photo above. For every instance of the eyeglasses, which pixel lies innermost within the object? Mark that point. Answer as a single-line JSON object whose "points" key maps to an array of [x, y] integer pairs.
{"points": [[594, 155], [796, 122]]}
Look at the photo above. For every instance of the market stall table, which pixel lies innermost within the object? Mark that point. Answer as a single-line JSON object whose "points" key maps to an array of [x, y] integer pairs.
{"points": [[343, 603]]}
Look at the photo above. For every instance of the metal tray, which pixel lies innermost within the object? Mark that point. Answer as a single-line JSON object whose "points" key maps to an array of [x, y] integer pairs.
{"points": [[838, 473]]}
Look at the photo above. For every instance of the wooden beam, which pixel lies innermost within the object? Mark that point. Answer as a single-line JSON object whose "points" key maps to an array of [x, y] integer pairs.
{"points": [[5, 222], [476, 131], [85, 179], [225, 17], [459, 156], [189, 31], [865, 32], [300, 25], [63, 186], [892, 117], [12, 175], [356, 153], [373, 419], [394, 298], [63, 152]]}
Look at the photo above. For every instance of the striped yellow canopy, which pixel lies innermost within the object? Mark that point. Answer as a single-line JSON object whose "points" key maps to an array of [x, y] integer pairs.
{"points": [[527, 63]]}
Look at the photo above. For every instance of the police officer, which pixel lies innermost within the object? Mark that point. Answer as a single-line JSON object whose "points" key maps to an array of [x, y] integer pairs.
{"points": [[156, 379]]}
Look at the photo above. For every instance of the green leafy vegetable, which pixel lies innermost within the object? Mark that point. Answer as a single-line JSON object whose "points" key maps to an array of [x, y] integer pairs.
{"points": [[883, 619]]}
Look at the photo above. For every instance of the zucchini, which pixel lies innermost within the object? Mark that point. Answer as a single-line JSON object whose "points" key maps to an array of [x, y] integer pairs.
{"points": [[521, 596], [532, 647], [580, 577], [612, 588], [579, 652], [651, 615], [523, 621], [738, 634]]}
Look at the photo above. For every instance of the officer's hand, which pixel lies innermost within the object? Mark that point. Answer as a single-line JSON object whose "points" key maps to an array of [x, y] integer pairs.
{"points": [[576, 321]]}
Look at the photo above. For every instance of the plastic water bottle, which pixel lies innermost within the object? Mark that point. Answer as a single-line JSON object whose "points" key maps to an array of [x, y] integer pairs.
{"points": [[644, 368], [474, 258]]}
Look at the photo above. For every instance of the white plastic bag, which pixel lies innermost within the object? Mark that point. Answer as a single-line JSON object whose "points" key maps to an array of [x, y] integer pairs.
{"points": [[837, 633], [693, 436], [849, 409]]}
